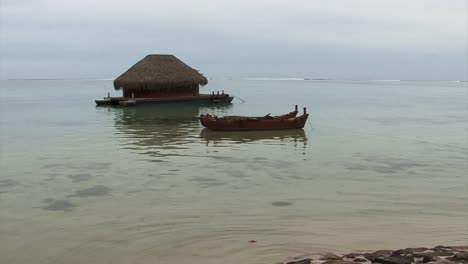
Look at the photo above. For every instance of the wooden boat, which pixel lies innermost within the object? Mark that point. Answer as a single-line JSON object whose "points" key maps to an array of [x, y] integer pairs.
{"points": [[247, 123]]}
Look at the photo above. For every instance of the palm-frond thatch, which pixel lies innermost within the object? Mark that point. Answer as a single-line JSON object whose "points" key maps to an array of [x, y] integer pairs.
{"points": [[159, 72]]}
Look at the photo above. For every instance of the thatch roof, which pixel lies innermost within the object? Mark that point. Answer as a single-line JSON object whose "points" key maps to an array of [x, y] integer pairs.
{"points": [[158, 72]]}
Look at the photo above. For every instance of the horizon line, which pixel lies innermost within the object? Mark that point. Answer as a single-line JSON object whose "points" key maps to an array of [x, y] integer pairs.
{"points": [[248, 79]]}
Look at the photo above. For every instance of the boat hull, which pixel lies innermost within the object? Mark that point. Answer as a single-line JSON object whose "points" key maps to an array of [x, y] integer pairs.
{"points": [[232, 123]]}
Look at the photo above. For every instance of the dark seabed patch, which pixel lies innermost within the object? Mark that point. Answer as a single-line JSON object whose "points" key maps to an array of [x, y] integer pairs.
{"points": [[281, 203], [357, 167], [260, 159], [383, 164], [161, 175], [98, 190], [208, 182], [69, 123], [156, 160], [54, 166], [227, 159], [457, 157], [281, 164], [97, 166], [400, 120], [80, 177], [58, 205], [88, 166], [8, 183], [48, 200], [236, 173]]}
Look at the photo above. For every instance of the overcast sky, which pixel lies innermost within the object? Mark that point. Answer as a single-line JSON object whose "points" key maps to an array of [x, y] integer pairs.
{"points": [[344, 39]]}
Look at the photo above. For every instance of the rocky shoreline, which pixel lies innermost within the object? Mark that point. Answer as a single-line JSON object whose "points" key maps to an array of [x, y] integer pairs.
{"points": [[435, 255]]}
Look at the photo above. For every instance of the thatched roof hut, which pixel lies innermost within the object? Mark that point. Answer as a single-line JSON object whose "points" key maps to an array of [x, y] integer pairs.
{"points": [[160, 75]]}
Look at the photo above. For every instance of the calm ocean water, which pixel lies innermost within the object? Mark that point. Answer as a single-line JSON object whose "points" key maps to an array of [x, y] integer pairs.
{"points": [[382, 164]]}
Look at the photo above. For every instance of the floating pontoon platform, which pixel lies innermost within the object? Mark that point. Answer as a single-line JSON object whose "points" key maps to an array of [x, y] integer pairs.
{"points": [[124, 101]]}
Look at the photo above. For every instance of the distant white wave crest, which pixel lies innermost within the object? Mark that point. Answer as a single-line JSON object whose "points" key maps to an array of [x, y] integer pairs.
{"points": [[274, 79], [389, 80]]}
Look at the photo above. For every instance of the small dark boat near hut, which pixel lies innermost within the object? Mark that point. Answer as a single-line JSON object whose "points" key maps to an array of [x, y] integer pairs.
{"points": [[161, 79], [247, 123]]}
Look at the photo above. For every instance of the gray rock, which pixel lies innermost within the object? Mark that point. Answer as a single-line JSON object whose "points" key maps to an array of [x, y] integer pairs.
{"points": [[460, 247], [461, 256], [330, 256], [446, 261], [417, 255], [339, 262], [358, 259], [377, 254], [394, 260], [353, 255], [299, 261], [427, 259], [439, 247], [408, 251], [441, 253]]}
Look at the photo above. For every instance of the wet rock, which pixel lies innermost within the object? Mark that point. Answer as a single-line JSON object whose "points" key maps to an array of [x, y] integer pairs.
{"points": [[439, 247], [394, 260], [359, 259], [461, 256], [338, 262], [417, 255], [418, 249], [330, 256], [460, 247], [353, 255], [433, 254], [377, 254], [303, 256], [299, 261], [427, 259], [408, 251]]}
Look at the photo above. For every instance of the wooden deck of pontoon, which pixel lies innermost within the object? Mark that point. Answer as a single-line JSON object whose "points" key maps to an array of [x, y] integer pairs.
{"points": [[124, 101]]}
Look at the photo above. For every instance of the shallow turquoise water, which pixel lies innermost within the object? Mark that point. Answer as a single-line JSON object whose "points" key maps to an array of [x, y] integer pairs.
{"points": [[381, 165]]}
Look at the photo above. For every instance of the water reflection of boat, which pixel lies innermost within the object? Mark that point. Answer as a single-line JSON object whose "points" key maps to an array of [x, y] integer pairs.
{"points": [[296, 136]]}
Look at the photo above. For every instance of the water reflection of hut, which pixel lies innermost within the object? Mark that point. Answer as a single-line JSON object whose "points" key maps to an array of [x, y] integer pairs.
{"points": [[159, 130], [161, 78]]}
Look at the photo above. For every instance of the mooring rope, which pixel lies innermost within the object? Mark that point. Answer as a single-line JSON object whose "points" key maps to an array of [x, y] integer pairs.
{"points": [[310, 124], [239, 99]]}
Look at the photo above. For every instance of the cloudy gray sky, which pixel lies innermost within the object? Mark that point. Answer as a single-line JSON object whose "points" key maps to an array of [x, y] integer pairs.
{"points": [[345, 39]]}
